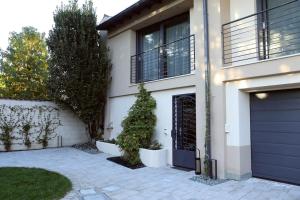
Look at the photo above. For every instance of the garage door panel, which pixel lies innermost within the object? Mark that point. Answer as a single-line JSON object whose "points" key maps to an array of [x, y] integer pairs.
{"points": [[291, 127], [277, 115], [275, 135], [290, 175], [276, 105], [280, 149], [278, 160]]}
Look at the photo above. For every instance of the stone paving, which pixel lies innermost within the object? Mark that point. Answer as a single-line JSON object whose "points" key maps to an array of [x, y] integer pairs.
{"points": [[95, 178]]}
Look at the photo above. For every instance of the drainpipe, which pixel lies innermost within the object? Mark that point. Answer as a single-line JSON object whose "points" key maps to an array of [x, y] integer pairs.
{"points": [[207, 158]]}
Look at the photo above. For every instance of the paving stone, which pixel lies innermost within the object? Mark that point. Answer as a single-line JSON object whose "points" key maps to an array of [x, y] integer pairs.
{"points": [[101, 196], [91, 173], [87, 192], [111, 188]]}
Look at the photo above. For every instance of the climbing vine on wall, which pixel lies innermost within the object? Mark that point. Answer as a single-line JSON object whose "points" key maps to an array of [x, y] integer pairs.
{"points": [[25, 125]]}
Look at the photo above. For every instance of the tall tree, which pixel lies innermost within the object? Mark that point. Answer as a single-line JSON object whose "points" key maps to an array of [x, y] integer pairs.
{"points": [[79, 65], [24, 66]]}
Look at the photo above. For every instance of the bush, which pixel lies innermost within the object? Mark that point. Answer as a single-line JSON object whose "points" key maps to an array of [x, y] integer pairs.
{"points": [[112, 141], [138, 127], [155, 145]]}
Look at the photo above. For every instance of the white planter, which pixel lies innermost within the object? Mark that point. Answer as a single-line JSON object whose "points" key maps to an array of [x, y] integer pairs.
{"points": [[154, 158], [109, 148]]}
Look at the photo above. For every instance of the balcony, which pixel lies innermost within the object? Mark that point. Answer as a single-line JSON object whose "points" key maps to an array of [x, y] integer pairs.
{"points": [[168, 60], [271, 33]]}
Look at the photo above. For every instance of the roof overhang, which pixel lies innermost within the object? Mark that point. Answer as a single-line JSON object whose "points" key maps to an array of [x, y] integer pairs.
{"points": [[135, 9]]}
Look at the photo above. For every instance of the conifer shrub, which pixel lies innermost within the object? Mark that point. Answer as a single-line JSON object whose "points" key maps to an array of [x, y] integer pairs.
{"points": [[138, 126]]}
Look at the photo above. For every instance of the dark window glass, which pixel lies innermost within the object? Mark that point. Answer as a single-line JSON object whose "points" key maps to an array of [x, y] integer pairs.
{"points": [[164, 50]]}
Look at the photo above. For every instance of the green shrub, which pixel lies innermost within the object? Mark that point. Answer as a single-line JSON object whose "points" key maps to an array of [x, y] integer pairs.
{"points": [[138, 127], [155, 145]]}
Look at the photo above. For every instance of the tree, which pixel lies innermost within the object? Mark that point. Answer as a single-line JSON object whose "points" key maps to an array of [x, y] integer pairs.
{"points": [[138, 126], [24, 66], [79, 64]]}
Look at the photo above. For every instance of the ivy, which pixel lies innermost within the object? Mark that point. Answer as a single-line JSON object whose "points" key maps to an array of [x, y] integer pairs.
{"points": [[48, 125], [9, 119], [24, 125], [138, 126]]}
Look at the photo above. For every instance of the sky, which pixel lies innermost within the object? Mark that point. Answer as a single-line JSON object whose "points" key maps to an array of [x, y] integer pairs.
{"points": [[15, 14]]}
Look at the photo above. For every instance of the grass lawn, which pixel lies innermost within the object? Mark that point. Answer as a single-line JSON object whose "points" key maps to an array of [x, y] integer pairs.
{"points": [[32, 184]]}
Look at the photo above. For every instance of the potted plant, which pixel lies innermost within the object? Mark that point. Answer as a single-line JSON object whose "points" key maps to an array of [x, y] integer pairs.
{"points": [[154, 156], [109, 147], [138, 127]]}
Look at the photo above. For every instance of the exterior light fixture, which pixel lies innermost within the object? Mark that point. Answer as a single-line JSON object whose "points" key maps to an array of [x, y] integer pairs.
{"points": [[197, 163]]}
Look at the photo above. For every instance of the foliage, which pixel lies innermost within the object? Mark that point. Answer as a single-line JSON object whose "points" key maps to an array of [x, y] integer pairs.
{"points": [[79, 64], [26, 124], [24, 66], [138, 127], [32, 183], [9, 119], [37, 123], [112, 141], [49, 123], [155, 145]]}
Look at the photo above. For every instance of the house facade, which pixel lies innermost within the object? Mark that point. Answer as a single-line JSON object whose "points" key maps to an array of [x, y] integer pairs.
{"points": [[254, 65]]}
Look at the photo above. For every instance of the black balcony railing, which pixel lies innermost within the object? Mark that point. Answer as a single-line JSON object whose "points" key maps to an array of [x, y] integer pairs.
{"points": [[173, 59], [267, 34]]}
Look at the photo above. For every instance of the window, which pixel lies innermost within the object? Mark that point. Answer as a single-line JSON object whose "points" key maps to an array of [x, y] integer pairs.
{"points": [[282, 36], [163, 50]]}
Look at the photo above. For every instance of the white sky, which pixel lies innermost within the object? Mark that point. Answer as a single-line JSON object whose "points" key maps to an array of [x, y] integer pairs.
{"points": [[15, 14]]}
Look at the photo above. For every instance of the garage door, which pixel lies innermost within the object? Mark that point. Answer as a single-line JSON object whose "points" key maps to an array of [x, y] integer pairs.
{"points": [[275, 135]]}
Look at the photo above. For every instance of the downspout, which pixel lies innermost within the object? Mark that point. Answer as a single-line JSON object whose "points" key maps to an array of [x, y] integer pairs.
{"points": [[207, 158]]}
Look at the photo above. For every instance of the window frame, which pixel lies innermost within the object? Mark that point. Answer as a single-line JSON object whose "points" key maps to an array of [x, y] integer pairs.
{"points": [[161, 27]]}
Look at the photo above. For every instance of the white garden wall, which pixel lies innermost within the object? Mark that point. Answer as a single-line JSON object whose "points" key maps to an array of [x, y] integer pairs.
{"points": [[72, 129]]}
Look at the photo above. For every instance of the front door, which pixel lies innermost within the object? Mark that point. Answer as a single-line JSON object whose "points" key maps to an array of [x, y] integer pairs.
{"points": [[184, 130]]}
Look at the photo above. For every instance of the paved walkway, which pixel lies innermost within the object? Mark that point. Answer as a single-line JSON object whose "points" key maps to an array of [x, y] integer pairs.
{"points": [[93, 173]]}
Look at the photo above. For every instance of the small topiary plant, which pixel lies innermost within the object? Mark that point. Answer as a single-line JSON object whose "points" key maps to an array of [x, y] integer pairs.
{"points": [[138, 126]]}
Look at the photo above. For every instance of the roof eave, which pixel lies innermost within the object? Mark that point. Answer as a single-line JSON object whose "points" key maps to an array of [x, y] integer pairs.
{"points": [[135, 8]]}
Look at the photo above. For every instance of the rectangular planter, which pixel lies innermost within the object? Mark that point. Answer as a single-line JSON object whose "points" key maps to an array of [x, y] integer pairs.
{"points": [[154, 158], [109, 148]]}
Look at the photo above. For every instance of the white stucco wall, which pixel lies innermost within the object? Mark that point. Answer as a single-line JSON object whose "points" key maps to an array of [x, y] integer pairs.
{"points": [[119, 107], [238, 103], [72, 130]]}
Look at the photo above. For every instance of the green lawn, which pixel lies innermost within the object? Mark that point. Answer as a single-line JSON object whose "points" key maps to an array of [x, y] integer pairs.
{"points": [[32, 184]]}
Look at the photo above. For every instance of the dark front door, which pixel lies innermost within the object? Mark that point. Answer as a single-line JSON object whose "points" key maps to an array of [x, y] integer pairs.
{"points": [[275, 135], [184, 130]]}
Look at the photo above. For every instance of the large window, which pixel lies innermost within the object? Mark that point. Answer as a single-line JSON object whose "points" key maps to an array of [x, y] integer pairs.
{"points": [[163, 50], [272, 32], [281, 21]]}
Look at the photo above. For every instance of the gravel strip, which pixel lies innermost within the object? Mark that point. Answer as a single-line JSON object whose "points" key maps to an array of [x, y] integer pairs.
{"points": [[208, 181], [87, 147]]}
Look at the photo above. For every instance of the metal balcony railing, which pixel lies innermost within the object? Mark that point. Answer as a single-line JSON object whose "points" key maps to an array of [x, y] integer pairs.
{"points": [[271, 33], [173, 59]]}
